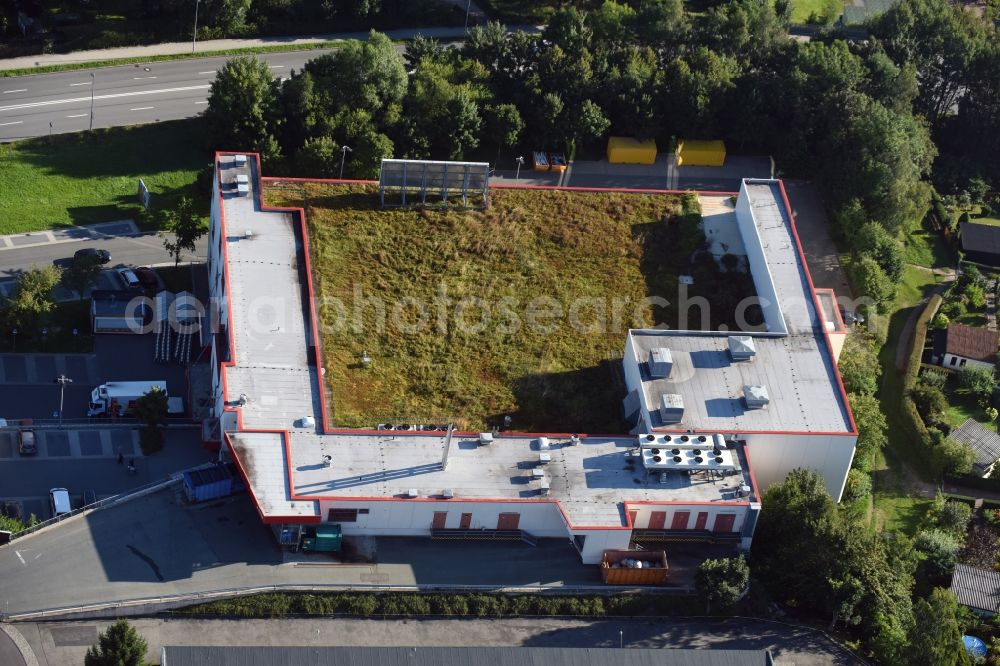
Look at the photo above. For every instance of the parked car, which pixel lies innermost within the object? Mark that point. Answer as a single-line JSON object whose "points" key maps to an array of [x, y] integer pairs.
{"points": [[59, 499], [148, 278], [129, 278], [849, 317], [102, 255], [26, 442]]}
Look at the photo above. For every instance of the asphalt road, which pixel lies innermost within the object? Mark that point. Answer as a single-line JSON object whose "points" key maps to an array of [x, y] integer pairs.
{"points": [[125, 95], [142, 250]]}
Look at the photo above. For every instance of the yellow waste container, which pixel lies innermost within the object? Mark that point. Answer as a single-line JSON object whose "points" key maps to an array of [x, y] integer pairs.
{"points": [[700, 153], [626, 150]]}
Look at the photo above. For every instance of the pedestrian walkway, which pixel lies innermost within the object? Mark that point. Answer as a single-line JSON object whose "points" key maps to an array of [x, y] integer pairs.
{"points": [[39, 369], [69, 234], [212, 45]]}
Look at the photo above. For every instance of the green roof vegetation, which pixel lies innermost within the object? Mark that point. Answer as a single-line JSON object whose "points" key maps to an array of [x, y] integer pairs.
{"points": [[488, 283]]}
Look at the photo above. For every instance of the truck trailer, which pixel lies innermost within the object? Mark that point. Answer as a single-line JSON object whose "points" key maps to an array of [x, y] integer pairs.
{"points": [[118, 398]]}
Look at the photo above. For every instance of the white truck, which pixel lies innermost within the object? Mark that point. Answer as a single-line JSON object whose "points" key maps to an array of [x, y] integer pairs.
{"points": [[118, 398]]}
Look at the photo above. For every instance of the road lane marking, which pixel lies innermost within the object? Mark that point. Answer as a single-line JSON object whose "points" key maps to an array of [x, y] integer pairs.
{"points": [[73, 100], [276, 66], [79, 115], [16, 122], [18, 553], [85, 83], [18, 90], [142, 108], [204, 101], [140, 78], [211, 72]]}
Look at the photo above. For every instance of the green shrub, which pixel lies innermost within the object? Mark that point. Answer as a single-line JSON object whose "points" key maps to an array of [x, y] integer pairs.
{"points": [[858, 486], [933, 378], [930, 401]]}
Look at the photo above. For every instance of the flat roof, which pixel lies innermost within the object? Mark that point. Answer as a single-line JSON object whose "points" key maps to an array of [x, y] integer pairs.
{"points": [[797, 368], [459, 656], [591, 481], [273, 384]]}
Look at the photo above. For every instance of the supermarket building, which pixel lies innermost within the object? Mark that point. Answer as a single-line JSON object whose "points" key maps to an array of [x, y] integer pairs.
{"points": [[682, 481]]}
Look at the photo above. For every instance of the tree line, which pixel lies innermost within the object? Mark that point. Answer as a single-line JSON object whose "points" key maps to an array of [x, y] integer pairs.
{"points": [[878, 123]]}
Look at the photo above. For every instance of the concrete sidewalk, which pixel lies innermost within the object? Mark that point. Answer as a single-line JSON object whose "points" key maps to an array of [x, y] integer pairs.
{"points": [[175, 48]]}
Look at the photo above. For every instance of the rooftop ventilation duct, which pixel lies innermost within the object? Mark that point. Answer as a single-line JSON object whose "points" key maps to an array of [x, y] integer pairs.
{"points": [[661, 362], [756, 397], [741, 347], [671, 408]]}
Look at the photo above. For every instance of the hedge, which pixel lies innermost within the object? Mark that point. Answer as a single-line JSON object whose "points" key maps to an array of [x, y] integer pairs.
{"points": [[913, 424], [282, 604]]}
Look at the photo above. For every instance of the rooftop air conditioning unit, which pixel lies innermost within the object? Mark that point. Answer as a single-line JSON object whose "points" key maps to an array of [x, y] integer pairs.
{"points": [[741, 348], [671, 408], [661, 362], [248, 234], [412, 492], [756, 397], [485, 438], [447, 493], [543, 443]]}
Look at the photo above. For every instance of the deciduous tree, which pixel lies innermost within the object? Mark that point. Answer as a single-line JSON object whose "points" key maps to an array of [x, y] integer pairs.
{"points": [[720, 582], [241, 111], [185, 225], [82, 273]]}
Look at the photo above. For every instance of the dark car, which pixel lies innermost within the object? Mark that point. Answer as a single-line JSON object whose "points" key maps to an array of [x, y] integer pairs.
{"points": [[101, 255], [26, 442], [147, 278], [849, 317]]}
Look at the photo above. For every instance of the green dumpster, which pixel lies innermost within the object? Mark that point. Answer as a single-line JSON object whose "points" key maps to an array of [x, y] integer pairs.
{"points": [[321, 539]]}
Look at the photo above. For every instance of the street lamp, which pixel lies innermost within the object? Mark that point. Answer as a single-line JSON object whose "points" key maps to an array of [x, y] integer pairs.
{"points": [[62, 380], [194, 39], [93, 83], [520, 161], [343, 155]]}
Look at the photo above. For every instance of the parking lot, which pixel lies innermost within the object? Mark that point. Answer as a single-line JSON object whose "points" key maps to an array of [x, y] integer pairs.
{"points": [[83, 455], [87, 460]]}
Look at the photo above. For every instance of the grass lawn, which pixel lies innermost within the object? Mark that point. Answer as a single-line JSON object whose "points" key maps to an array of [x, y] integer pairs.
{"points": [[962, 406], [485, 345], [899, 513], [990, 221], [923, 246], [826, 11], [87, 177]]}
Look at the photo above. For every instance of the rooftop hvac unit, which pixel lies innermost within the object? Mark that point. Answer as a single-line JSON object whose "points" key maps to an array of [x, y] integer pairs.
{"points": [[671, 408], [241, 160], [661, 362], [756, 397], [741, 347], [744, 490], [485, 438], [412, 492], [248, 234], [447, 493], [543, 443]]}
